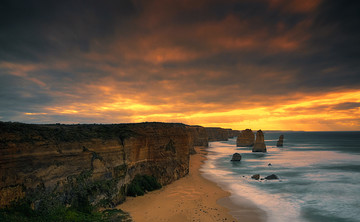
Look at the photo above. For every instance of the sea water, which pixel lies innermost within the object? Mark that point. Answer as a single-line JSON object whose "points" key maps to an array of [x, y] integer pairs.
{"points": [[319, 175]]}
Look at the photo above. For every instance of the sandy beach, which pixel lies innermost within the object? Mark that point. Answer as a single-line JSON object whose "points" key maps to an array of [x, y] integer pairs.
{"points": [[192, 198]]}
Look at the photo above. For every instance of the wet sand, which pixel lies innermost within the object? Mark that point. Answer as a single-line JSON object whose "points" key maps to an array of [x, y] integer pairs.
{"points": [[192, 198]]}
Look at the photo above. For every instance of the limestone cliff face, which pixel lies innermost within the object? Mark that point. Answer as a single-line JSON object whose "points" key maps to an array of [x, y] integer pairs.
{"points": [[259, 145], [103, 158], [246, 138], [199, 137], [219, 134], [233, 133], [161, 150], [280, 142]]}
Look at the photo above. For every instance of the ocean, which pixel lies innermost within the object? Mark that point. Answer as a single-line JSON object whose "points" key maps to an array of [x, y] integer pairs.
{"points": [[319, 175]]}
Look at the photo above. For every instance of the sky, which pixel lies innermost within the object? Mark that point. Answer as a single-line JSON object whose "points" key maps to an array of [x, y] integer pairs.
{"points": [[260, 64]]}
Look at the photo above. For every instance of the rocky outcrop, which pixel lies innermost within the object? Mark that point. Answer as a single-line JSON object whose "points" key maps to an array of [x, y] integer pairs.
{"points": [[36, 160], [236, 157], [272, 177], [259, 145], [280, 142], [255, 177], [246, 138]]}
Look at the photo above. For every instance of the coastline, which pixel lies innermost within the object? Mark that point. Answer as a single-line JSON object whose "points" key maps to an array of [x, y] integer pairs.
{"points": [[191, 198]]}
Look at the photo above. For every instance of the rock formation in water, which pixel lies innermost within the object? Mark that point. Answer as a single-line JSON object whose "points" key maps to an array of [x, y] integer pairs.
{"points": [[272, 177], [255, 177], [280, 142], [236, 157], [246, 138], [259, 145]]}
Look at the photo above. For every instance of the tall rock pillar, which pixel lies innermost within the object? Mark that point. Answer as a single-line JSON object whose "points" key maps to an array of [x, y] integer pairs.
{"points": [[280, 142], [259, 145]]}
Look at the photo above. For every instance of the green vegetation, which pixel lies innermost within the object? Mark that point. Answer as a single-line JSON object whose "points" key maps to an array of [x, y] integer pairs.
{"points": [[141, 184], [22, 211], [71, 204], [58, 133]]}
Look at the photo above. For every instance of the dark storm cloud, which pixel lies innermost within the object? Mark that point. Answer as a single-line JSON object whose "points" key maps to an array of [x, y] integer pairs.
{"points": [[33, 30], [186, 55], [18, 96]]}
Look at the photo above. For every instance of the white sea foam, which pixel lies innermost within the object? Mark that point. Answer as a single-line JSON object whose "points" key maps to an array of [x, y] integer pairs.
{"points": [[316, 183]]}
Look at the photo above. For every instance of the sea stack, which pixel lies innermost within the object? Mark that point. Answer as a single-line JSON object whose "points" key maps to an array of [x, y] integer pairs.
{"points": [[246, 138], [259, 145], [280, 142]]}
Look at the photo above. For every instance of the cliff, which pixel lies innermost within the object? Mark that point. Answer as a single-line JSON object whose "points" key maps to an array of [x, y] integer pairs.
{"points": [[199, 137], [220, 134], [246, 138], [95, 161], [259, 145], [233, 133]]}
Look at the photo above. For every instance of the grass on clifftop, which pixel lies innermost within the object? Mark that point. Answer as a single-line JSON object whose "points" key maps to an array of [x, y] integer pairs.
{"points": [[23, 212], [141, 184]]}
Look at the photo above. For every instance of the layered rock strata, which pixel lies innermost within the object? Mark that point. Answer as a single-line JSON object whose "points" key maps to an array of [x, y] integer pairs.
{"points": [[199, 137], [91, 160], [220, 134], [44, 159], [246, 138], [280, 142], [259, 145]]}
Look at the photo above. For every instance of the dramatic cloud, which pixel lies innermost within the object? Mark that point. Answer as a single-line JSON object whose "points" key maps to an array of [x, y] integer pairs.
{"points": [[270, 64]]}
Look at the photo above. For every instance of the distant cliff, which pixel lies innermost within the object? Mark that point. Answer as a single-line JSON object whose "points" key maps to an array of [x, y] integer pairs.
{"points": [[220, 134], [199, 137], [93, 161], [233, 133]]}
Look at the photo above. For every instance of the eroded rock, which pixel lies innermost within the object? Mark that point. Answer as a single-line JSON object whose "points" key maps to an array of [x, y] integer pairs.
{"points": [[259, 145], [272, 177], [255, 176], [246, 138], [280, 142], [236, 157]]}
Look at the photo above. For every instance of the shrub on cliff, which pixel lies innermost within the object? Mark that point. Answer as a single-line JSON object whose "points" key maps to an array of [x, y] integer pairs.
{"points": [[141, 184], [23, 212]]}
